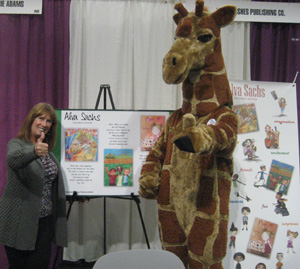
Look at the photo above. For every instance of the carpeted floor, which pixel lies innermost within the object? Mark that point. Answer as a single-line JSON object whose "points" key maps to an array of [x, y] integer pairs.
{"points": [[81, 264]]}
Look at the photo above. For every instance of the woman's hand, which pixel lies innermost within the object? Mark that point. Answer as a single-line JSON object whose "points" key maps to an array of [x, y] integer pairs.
{"points": [[40, 148]]}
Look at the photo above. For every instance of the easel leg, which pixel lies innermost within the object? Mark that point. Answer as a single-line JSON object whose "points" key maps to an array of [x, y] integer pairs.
{"points": [[137, 201], [104, 225], [72, 199]]}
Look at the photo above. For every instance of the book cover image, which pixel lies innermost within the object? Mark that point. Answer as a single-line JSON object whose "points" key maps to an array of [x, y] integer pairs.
{"points": [[151, 128], [81, 145], [280, 176], [118, 167], [262, 238], [247, 116]]}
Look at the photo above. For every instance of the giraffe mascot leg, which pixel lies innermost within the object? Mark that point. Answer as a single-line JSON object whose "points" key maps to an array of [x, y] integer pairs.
{"points": [[189, 169]]}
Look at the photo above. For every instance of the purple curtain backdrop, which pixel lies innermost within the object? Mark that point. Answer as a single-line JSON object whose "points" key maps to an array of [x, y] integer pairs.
{"points": [[275, 52], [34, 67]]}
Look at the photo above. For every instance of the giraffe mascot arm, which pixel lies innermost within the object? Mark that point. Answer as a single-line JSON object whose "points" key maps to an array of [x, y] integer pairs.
{"points": [[216, 137], [151, 172]]}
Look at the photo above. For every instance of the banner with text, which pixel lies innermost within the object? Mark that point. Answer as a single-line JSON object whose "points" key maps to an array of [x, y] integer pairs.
{"points": [[265, 200], [249, 11], [21, 7]]}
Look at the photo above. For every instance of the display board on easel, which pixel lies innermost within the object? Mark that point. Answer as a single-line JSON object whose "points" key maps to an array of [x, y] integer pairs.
{"points": [[102, 151]]}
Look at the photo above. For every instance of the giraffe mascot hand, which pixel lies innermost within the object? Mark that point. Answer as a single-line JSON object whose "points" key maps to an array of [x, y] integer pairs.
{"points": [[193, 138], [189, 169]]}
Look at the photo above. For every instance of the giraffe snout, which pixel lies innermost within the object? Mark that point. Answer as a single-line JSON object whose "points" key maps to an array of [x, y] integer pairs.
{"points": [[174, 68]]}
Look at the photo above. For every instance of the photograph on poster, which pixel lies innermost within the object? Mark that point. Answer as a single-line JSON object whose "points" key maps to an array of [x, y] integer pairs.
{"points": [[151, 128], [118, 167], [81, 145]]}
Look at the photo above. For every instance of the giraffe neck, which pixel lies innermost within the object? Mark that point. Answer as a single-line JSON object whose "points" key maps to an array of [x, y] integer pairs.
{"points": [[201, 92]]}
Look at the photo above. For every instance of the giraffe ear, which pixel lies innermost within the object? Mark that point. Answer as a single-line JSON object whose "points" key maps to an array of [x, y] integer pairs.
{"points": [[224, 15]]}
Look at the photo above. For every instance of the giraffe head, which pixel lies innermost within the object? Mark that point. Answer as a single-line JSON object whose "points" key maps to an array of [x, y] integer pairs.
{"points": [[197, 51]]}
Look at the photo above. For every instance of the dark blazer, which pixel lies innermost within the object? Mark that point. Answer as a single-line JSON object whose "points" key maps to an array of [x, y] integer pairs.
{"points": [[21, 199]]}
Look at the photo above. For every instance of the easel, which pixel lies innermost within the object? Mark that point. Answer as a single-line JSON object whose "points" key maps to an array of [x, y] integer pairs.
{"points": [[75, 197], [106, 89]]}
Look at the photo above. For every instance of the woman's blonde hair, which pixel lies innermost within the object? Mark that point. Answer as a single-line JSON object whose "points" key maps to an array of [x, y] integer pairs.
{"points": [[38, 110]]}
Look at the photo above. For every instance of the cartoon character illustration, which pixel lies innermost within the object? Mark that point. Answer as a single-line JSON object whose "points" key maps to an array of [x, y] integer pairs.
{"points": [[112, 176], [268, 131], [260, 266], [249, 148], [273, 182], [266, 235], [272, 137], [119, 180], [73, 149], [238, 192], [282, 184], [245, 212], [282, 104], [291, 235], [92, 151], [238, 257], [127, 173], [233, 232], [279, 257], [280, 207], [262, 179]]}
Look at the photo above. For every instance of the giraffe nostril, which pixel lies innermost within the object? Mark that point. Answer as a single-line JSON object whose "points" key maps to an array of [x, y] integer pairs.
{"points": [[174, 61]]}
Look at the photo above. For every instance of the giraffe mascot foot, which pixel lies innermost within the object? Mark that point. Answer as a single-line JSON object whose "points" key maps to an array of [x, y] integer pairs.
{"points": [[189, 169]]}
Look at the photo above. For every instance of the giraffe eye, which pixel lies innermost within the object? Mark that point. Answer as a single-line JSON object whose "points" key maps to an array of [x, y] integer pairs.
{"points": [[205, 38]]}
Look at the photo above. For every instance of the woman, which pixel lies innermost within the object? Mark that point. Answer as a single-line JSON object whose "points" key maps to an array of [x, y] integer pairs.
{"points": [[33, 207]]}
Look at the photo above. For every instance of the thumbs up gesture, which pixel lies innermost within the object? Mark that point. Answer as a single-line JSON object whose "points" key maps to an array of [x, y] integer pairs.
{"points": [[40, 148]]}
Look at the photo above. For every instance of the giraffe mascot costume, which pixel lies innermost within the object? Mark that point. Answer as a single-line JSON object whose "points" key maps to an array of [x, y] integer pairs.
{"points": [[189, 169]]}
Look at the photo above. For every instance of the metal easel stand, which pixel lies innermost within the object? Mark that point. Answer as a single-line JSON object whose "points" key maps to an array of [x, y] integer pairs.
{"points": [[106, 89], [136, 199]]}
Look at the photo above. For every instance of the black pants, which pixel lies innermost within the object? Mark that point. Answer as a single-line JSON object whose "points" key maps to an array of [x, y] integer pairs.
{"points": [[39, 258]]}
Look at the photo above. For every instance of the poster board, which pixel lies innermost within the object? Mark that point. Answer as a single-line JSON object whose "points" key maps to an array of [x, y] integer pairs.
{"points": [[263, 225], [102, 151]]}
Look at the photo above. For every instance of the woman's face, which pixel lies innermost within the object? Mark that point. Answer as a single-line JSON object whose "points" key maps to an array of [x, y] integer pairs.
{"points": [[40, 124]]}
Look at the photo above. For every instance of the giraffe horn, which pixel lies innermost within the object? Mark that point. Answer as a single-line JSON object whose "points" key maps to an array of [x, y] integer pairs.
{"points": [[181, 9], [199, 8]]}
